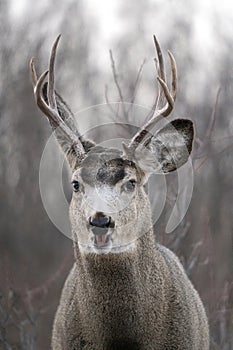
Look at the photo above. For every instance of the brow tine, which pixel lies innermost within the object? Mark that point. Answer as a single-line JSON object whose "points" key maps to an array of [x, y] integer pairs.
{"points": [[33, 72]]}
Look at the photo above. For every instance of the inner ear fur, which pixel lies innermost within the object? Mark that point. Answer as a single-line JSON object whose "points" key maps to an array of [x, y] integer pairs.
{"points": [[168, 149]]}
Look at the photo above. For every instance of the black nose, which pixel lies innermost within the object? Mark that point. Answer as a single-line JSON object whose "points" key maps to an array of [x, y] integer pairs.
{"points": [[100, 220]]}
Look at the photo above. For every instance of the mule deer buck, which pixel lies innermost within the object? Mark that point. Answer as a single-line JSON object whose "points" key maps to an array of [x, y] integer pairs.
{"points": [[125, 291]]}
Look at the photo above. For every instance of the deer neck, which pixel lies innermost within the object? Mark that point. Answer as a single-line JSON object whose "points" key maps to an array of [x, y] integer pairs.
{"points": [[131, 261]]}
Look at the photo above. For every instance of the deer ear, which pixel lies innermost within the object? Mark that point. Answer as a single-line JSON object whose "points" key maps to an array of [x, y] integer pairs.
{"points": [[68, 117], [168, 149]]}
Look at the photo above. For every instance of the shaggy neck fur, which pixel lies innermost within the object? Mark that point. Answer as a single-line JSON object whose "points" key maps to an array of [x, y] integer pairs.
{"points": [[91, 262], [113, 293]]}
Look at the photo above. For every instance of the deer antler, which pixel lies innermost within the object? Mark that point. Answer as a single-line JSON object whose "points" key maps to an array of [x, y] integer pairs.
{"points": [[49, 107], [162, 112]]}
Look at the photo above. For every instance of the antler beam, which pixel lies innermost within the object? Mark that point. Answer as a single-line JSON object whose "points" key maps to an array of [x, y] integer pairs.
{"points": [[49, 107], [169, 94]]}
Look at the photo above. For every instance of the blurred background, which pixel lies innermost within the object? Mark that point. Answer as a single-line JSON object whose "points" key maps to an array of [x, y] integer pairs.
{"points": [[34, 256]]}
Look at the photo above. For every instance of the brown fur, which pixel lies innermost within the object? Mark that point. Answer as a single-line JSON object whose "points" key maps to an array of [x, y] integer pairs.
{"points": [[137, 303], [136, 299]]}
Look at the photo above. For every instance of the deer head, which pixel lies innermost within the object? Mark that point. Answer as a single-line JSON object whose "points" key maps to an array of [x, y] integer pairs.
{"points": [[110, 209]]}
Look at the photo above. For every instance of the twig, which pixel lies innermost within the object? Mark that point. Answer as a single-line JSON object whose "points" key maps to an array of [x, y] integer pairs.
{"points": [[108, 103], [136, 85], [43, 289], [115, 77], [213, 115], [203, 144]]}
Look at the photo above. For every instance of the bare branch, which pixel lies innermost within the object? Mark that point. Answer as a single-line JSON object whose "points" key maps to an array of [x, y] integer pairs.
{"points": [[115, 77], [136, 85], [115, 114]]}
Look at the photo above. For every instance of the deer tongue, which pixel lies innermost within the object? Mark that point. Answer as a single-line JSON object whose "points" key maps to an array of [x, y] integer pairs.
{"points": [[101, 239]]}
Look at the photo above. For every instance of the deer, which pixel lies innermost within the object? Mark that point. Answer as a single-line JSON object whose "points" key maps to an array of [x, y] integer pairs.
{"points": [[125, 290]]}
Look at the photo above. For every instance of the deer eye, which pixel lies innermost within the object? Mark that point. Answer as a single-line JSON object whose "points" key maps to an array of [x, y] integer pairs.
{"points": [[75, 185], [129, 186]]}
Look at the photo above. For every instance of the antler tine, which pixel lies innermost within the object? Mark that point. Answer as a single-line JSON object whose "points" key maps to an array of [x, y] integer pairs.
{"points": [[50, 108], [33, 72], [161, 70], [174, 75], [159, 64], [39, 98], [51, 92], [170, 97], [37, 86]]}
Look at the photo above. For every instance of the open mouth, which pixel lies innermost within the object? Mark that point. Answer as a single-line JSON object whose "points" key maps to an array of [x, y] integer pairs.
{"points": [[102, 234], [102, 240]]}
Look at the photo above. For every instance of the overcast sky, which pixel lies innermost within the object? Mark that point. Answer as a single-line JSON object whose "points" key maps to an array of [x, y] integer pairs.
{"points": [[208, 18], [106, 14]]}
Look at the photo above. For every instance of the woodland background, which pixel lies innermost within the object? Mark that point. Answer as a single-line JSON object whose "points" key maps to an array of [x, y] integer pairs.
{"points": [[34, 256]]}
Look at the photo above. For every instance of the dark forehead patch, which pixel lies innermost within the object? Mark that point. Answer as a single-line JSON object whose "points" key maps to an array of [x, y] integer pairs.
{"points": [[104, 166], [111, 172]]}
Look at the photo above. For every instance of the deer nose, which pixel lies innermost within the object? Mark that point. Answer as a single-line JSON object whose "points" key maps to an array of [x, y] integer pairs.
{"points": [[100, 220]]}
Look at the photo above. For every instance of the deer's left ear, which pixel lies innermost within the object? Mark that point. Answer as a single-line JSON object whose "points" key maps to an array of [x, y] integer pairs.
{"points": [[168, 149]]}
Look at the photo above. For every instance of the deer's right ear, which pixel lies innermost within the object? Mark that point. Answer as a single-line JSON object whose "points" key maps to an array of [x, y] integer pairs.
{"points": [[168, 149]]}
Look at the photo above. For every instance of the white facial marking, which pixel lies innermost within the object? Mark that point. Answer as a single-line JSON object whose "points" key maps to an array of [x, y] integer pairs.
{"points": [[118, 202]]}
